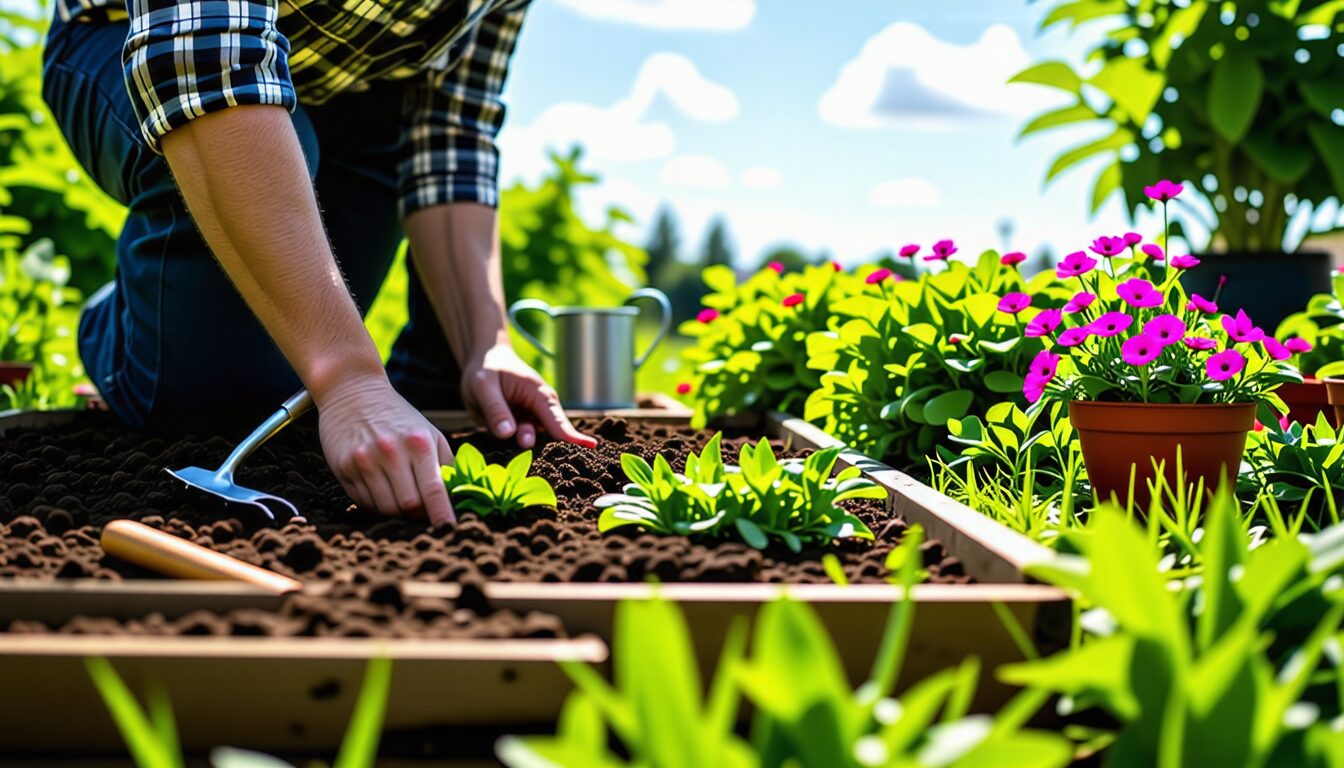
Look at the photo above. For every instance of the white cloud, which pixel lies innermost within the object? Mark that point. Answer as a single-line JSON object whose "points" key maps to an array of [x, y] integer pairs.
{"points": [[721, 15], [619, 132], [698, 171], [906, 76], [762, 177], [904, 193]]}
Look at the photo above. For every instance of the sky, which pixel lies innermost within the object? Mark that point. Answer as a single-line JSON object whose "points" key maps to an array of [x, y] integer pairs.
{"points": [[854, 130]]}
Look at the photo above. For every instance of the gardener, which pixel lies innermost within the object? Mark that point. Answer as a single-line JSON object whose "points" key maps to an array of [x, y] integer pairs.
{"points": [[384, 111]]}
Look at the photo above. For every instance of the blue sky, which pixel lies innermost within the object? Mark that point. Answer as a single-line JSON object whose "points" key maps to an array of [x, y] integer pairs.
{"points": [[882, 123]]}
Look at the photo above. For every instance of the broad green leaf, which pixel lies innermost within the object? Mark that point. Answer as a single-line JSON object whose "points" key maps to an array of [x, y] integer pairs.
{"points": [[637, 469], [1118, 139], [1180, 25], [949, 405], [751, 533], [142, 739], [664, 698], [1076, 113], [1324, 95], [1236, 86], [1285, 163], [1108, 181], [1329, 142], [1134, 88], [518, 466], [1101, 668], [1025, 749], [359, 746], [1056, 74]]}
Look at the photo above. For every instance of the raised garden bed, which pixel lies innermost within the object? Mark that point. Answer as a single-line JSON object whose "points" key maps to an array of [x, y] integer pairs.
{"points": [[67, 474]]}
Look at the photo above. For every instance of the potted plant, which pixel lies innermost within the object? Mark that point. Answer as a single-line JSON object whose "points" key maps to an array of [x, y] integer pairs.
{"points": [[1156, 381], [1240, 97], [1321, 355]]}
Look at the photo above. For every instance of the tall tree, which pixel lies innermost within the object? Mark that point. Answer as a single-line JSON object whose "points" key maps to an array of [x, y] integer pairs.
{"points": [[663, 247], [717, 249]]}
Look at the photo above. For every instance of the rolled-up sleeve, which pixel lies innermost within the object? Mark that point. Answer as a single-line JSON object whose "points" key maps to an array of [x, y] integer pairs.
{"points": [[187, 59], [453, 115]]}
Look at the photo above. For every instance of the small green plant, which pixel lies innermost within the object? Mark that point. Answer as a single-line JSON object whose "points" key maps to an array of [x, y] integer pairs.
{"points": [[1320, 325], [794, 500], [151, 737], [486, 489], [1299, 465]]}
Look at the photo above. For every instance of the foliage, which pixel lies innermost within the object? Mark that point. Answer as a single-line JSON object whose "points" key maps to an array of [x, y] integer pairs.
{"points": [[903, 357], [1321, 324], [750, 352], [1298, 465], [151, 737], [794, 500], [38, 315], [1241, 96], [488, 489], [1224, 670], [806, 713]]}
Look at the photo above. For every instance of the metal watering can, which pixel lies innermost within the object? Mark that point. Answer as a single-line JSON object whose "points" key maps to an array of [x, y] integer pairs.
{"points": [[595, 360]]}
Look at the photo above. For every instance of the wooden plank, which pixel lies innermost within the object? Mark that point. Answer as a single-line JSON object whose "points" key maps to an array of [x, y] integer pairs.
{"points": [[13, 419], [990, 551]]}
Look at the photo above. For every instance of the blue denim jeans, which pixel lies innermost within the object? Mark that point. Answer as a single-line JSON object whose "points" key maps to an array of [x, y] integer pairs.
{"points": [[173, 347]]}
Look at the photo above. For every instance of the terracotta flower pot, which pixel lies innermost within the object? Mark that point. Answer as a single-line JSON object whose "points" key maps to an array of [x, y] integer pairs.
{"points": [[1116, 437], [14, 374], [1335, 390], [1305, 401]]}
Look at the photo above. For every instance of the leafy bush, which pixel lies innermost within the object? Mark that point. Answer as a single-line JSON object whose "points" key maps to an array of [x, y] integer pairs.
{"points": [[38, 316], [1299, 465], [491, 489], [794, 500], [1321, 324]]}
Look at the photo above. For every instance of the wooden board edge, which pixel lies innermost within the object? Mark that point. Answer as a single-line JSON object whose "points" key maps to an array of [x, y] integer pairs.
{"points": [[21, 419]]}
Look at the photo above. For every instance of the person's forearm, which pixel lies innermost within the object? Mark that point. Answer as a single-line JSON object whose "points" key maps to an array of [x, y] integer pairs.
{"points": [[243, 176], [455, 250]]}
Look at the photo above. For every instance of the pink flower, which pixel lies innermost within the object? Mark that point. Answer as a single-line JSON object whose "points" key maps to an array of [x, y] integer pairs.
{"points": [[1014, 302], [1200, 304], [707, 315], [942, 251], [1140, 350], [1274, 349], [1166, 329], [1075, 264], [777, 266], [835, 265], [1108, 246], [1012, 259], [684, 388], [1154, 251], [793, 299], [1164, 190], [1133, 238], [1044, 364], [877, 276], [1044, 323], [1225, 364], [1139, 293], [1033, 388], [1184, 262], [956, 338], [1110, 324], [1199, 343], [908, 251], [1241, 328], [1079, 302], [1072, 337], [1297, 345]]}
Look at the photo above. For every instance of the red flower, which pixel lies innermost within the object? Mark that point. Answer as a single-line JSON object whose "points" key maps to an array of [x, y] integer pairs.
{"points": [[684, 388], [707, 315], [777, 266], [793, 299]]}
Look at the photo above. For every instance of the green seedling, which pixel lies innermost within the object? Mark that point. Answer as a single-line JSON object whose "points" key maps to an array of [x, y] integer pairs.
{"points": [[476, 486]]}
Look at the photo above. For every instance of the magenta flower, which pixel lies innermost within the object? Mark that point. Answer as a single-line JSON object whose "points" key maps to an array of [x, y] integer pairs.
{"points": [[1140, 350], [1164, 190], [707, 316], [1274, 349], [1044, 323], [684, 388], [1075, 265], [1297, 345], [1154, 251], [1079, 302], [1167, 329], [1133, 238], [835, 265], [1033, 388], [1012, 259], [1110, 324], [1199, 343], [942, 251], [1014, 302], [908, 251], [1044, 364], [793, 299], [1108, 246], [877, 276], [1184, 262], [777, 266], [1072, 337], [1225, 364], [1139, 293], [1200, 304], [1241, 328]]}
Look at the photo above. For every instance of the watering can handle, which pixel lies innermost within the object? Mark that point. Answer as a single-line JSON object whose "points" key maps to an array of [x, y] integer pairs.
{"points": [[529, 305], [664, 319]]}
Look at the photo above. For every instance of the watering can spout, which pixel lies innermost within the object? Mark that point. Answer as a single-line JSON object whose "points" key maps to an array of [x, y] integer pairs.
{"points": [[594, 348]]}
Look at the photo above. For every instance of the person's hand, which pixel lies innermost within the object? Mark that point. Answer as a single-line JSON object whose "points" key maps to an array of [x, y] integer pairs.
{"points": [[383, 451], [504, 395]]}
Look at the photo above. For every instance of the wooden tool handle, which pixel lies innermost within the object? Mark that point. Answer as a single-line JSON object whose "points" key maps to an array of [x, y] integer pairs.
{"points": [[172, 556]]}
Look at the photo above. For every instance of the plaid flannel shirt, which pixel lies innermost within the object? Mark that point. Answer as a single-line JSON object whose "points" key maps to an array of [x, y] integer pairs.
{"points": [[187, 58]]}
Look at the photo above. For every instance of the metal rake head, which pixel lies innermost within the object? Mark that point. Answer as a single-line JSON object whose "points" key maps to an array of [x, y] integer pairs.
{"points": [[223, 486]]}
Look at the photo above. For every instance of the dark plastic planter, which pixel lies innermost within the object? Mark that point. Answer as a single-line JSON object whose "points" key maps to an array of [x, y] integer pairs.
{"points": [[14, 374], [1335, 388], [1118, 438], [1269, 286]]}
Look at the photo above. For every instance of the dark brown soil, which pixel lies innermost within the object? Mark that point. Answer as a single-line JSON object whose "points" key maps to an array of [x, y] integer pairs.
{"points": [[59, 486]]}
